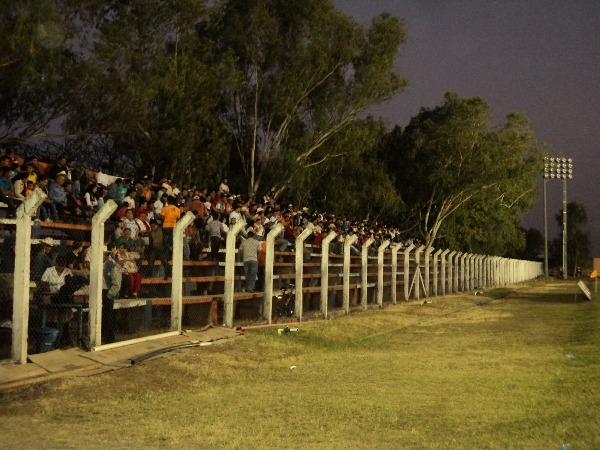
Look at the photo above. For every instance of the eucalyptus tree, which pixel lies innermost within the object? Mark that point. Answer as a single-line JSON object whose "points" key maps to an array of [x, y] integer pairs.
{"points": [[150, 87], [298, 74], [36, 67], [464, 181]]}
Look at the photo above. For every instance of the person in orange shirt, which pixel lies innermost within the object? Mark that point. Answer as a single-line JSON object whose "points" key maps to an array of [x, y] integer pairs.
{"points": [[170, 215]]}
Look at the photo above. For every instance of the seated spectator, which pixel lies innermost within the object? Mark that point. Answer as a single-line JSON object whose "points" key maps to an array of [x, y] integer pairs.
{"points": [[74, 206], [19, 185], [130, 198], [130, 271], [142, 208], [47, 211], [91, 197], [7, 192], [143, 226], [121, 211], [60, 165], [57, 192], [131, 244], [114, 191]]}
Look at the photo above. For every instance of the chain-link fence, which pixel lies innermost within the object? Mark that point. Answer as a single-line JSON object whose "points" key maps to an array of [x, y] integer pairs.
{"points": [[101, 285]]}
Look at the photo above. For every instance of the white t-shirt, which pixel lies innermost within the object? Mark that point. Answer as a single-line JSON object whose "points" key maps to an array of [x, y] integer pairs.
{"points": [[55, 280]]}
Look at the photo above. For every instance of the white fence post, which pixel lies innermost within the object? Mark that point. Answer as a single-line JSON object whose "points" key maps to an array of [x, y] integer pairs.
{"points": [[325, 271], [380, 250], [426, 284], [96, 272], [364, 272], [347, 262], [177, 271], [407, 251], [269, 260], [395, 249], [20, 317], [299, 248], [436, 259], [230, 274], [451, 271]]}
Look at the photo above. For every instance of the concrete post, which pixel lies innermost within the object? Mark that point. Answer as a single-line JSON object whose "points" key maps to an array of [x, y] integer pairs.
{"points": [[20, 318], [364, 272], [177, 274], [347, 262], [395, 250], [268, 282], [451, 272], [230, 274], [299, 245], [407, 251], [96, 269], [380, 251], [443, 273], [325, 271]]}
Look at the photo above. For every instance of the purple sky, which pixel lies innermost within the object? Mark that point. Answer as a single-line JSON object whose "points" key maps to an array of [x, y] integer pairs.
{"points": [[539, 57]]}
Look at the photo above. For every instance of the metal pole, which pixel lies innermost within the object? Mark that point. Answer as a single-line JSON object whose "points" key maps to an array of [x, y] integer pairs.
{"points": [[564, 231], [545, 231]]}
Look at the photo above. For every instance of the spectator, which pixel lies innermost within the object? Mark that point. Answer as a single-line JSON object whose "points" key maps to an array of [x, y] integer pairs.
{"points": [[74, 204], [19, 185], [114, 191], [157, 249], [7, 192], [47, 211], [130, 198], [60, 165], [214, 228], [223, 187], [91, 197], [58, 194], [102, 176], [112, 271], [130, 271], [170, 215], [249, 251], [42, 259]]}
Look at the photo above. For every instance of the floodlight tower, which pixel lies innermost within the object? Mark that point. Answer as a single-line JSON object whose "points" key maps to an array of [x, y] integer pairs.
{"points": [[559, 169]]}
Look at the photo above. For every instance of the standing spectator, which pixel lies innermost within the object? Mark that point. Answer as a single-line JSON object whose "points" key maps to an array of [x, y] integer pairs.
{"points": [[158, 250], [170, 215], [214, 228], [249, 251]]}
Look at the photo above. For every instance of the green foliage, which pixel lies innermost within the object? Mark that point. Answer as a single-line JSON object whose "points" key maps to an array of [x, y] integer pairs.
{"points": [[298, 74], [150, 86], [463, 181], [356, 185], [36, 67]]}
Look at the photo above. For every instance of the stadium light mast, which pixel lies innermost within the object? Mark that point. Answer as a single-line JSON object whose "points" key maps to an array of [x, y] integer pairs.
{"points": [[559, 169]]}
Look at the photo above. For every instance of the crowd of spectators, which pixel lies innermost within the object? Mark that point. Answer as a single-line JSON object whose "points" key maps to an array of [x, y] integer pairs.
{"points": [[148, 209]]}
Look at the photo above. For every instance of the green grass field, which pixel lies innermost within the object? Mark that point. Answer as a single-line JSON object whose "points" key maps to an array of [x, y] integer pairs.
{"points": [[513, 369]]}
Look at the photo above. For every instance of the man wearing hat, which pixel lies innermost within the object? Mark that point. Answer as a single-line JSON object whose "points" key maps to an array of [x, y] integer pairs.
{"points": [[42, 260]]}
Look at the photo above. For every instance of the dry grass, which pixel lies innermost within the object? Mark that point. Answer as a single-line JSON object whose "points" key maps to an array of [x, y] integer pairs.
{"points": [[463, 372]]}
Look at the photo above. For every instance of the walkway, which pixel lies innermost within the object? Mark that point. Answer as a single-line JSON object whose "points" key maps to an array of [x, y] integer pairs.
{"points": [[77, 362]]}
